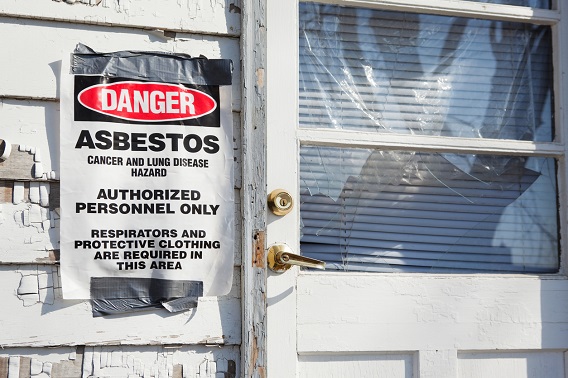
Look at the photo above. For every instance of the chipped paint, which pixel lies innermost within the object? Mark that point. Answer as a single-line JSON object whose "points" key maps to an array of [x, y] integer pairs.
{"points": [[37, 287], [28, 225], [209, 337], [260, 77], [29, 231], [92, 3], [159, 362], [233, 8]]}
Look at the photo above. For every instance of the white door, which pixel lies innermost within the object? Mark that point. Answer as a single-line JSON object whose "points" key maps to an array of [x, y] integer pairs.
{"points": [[428, 153]]}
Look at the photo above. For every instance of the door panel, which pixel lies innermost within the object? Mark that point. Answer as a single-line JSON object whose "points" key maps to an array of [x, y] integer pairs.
{"points": [[519, 365], [366, 312], [356, 365]]}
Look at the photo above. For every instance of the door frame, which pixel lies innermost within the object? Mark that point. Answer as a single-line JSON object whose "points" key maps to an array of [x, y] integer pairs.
{"points": [[256, 115], [253, 190]]}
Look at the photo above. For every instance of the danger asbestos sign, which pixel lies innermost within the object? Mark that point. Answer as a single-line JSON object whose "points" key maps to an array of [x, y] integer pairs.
{"points": [[146, 177]]}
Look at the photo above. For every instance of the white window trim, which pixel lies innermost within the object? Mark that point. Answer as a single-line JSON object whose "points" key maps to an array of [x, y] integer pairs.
{"points": [[457, 8], [557, 148]]}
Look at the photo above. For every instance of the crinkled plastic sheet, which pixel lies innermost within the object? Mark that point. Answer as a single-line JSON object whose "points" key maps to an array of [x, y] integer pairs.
{"points": [[404, 73], [364, 69]]}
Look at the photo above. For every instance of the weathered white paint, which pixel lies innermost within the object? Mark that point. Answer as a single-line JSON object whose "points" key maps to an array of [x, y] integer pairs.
{"points": [[36, 123], [14, 367], [203, 16], [33, 314], [526, 364], [17, 194], [437, 363], [37, 73], [38, 327], [5, 150], [369, 312], [122, 361], [27, 231], [282, 172], [253, 45]]}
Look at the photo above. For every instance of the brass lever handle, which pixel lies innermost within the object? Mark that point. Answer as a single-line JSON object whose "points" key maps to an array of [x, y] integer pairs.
{"points": [[281, 258]]}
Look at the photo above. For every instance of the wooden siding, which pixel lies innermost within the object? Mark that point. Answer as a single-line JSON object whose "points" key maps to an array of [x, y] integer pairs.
{"points": [[42, 334]]}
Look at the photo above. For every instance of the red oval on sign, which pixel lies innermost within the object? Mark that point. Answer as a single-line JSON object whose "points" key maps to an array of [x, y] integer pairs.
{"points": [[147, 102]]}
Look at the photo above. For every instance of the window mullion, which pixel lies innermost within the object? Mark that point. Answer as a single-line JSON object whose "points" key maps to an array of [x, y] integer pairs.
{"points": [[339, 138], [473, 9]]}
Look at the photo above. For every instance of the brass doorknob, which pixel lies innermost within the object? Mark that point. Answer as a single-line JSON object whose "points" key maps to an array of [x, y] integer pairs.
{"points": [[280, 259], [280, 202]]}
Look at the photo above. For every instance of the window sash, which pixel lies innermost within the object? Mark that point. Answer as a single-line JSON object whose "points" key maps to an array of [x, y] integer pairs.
{"points": [[338, 137], [428, 78], [376, 210]]}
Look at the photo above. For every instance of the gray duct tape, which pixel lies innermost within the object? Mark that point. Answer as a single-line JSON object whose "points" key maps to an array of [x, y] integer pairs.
{"points": [[152, 66], [116, 295]]}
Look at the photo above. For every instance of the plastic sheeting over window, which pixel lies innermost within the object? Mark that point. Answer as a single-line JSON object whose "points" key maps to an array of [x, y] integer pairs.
{"points": [[375, 210], [365, 69], [404, 211]]}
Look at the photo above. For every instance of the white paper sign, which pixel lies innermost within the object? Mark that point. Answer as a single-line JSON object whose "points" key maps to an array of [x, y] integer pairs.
{"points": [[146, 182]]}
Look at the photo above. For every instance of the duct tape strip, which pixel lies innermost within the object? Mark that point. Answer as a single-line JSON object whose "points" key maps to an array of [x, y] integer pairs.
{"points": [[117, 295], [152, 66]]}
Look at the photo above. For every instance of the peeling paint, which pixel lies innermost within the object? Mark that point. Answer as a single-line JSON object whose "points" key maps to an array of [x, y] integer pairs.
{"points": [[181, 363], [29, 228], [18, 193], [85, 2], [37, 287], [25, 163], [29, 213], [5, 149], [234, 8], [260, 77]]}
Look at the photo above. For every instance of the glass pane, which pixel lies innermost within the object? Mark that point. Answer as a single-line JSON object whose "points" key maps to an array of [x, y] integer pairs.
{"points": [[365, 69], [390, 211], [545, 4]]}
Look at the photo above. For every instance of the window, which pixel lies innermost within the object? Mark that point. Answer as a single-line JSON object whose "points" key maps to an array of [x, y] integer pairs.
{"points": [[462, 203]]}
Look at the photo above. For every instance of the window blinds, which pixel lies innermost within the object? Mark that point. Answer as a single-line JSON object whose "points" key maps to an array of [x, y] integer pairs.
{"points": [[364, 69], [408, 211], [375, 210]]}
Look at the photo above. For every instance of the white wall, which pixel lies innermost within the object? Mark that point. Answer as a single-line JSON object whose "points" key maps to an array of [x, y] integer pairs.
{"points": [[41, 334]]}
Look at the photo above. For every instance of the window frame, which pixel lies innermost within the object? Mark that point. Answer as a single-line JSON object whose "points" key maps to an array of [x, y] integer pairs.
{"points": [[557, 19]]}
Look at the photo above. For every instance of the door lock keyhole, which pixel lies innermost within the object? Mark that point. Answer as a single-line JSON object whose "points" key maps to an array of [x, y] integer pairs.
{"points": [[280, 202]]}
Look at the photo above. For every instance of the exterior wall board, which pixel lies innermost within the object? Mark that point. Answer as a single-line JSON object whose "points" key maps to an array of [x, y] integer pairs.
{"points": [[42, 334], [33, 314], [37, 72], [202, 16]]}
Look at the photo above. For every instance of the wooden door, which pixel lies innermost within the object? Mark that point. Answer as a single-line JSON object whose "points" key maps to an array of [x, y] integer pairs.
{"points": [[403, 323]]}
